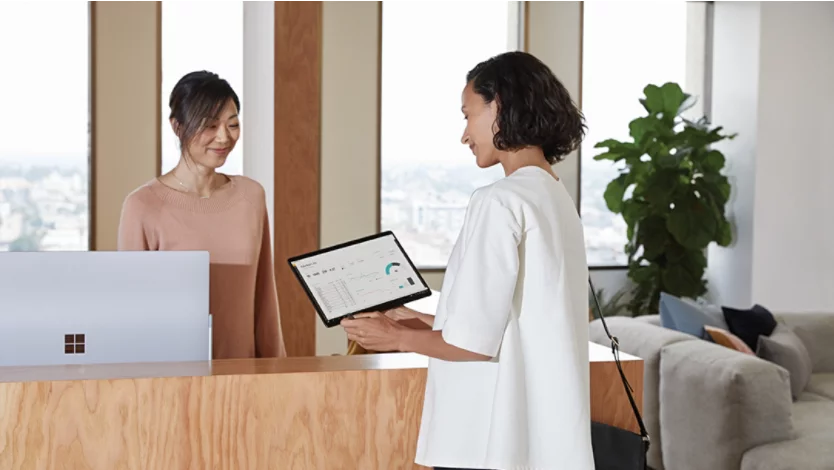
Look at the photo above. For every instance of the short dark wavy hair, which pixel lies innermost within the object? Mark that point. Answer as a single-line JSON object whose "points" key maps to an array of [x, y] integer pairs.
{"points": [[534, 108]]}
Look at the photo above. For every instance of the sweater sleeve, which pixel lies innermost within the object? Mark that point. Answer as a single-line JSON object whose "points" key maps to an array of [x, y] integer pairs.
{"points": [[269, 339], [132, 235]]}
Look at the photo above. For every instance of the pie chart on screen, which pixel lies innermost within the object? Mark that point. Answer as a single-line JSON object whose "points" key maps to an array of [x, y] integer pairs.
{"points": [[391, 267]]}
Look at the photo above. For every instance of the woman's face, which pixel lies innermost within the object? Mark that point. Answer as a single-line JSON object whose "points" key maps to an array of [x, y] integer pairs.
{"points": [[480, 127], [217, 139]]}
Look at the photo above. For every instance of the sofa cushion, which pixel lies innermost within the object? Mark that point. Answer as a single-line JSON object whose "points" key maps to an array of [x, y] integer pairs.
{"points": [[815, 330], [784, 348], [810, 396], [749, 324], [822, 384], [810, 450], [650, 319], [686, 317], [715, 404]]}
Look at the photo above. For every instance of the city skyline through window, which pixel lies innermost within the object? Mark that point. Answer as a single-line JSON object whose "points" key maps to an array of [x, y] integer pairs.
{"points": [[45, 156], [427, 175]]}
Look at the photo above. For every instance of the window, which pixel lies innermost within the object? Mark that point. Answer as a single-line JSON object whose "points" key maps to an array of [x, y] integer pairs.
{"points": [[427, 175], [44, 156], [626, 46], [201, 36]]}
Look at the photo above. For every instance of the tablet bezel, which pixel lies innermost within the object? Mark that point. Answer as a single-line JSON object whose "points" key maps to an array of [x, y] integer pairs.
{"points": [[400, 301]]}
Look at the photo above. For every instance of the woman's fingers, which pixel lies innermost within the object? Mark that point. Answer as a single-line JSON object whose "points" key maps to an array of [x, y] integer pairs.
{"points": [[367, 315]]}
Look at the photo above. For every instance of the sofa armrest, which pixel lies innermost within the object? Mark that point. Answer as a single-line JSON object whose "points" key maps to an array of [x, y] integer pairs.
{"points": [[717, 403], [816, 331], [644, 340]]}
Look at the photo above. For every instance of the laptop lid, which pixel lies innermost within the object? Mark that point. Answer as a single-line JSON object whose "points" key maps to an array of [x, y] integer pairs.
{"points": [[103, 307]]}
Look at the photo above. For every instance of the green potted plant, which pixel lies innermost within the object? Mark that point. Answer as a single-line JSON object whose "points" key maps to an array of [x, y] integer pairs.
{"points": [[672, 196]]}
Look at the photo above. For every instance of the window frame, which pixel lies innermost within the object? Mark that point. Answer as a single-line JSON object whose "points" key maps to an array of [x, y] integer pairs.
{"points": [[698, 28]]}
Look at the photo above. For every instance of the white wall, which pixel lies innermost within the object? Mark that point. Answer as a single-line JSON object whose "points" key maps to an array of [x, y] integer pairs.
{"points": [[773, 70], [793, 269], [258, 116], [734, 106]]}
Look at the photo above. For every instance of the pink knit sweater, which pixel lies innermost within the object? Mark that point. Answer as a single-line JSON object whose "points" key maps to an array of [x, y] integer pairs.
{"points": [[233, 227]]}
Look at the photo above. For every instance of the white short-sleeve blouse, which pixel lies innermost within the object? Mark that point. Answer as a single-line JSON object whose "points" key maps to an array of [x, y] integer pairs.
{"points": [[516, 290]]}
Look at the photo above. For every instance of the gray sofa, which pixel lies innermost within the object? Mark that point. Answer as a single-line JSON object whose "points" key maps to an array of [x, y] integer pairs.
{"points": [[707, 406]]}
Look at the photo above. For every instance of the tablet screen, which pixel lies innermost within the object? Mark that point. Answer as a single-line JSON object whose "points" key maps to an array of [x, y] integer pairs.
{"points": [[359, 276]]}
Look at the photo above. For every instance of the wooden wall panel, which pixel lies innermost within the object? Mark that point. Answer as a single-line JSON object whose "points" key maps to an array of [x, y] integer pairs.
{"points": [[126, 114], [298, 27]]}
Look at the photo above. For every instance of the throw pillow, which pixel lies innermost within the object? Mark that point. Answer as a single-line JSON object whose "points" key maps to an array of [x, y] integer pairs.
{"points": [[728, 340], [749, 324], [783, 347], [712, 311], [685, 317]]}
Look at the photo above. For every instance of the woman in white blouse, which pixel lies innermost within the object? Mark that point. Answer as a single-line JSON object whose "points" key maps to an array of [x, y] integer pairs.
{"points": [[508, 379]]}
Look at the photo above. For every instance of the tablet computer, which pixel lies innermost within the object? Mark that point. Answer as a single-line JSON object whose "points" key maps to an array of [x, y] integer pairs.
{"points": [[369, 274]]}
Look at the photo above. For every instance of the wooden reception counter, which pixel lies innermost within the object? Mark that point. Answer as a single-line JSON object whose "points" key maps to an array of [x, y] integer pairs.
{"points": [[317, 413]]}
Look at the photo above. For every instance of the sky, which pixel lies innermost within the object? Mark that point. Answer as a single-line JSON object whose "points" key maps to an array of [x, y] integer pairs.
{"points": [[47, 118], [427, 49], [46, 44], [422, 79], [46, 94]]}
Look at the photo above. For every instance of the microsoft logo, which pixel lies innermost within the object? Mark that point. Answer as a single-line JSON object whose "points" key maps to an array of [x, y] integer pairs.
{"points": [[74, 344]]}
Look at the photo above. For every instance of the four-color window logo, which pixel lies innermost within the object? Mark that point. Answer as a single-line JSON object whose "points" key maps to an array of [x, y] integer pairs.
{"points": [[74, 344]]}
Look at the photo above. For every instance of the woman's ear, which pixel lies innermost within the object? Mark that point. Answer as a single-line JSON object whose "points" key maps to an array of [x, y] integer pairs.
{"points": [[175, 126]]}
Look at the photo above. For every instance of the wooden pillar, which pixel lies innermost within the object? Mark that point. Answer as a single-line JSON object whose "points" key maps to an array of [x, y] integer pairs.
{"points": [[125, 109], [298, 39]]}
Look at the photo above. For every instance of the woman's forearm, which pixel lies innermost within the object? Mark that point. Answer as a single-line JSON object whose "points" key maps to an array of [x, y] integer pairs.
{"points": [[430, 343], [426, 318]]}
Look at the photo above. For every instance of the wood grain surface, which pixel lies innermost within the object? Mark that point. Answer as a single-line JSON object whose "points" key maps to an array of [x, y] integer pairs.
{"points": [[325, 420], [297, 161], [337, 412], [609, 401]]}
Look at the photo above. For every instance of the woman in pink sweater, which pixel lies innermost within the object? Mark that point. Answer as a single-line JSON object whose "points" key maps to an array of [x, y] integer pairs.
{"points": [[193, 207]]}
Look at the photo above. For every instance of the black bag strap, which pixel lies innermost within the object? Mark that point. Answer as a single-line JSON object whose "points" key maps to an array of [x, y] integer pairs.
{"points": [[615, 349]]}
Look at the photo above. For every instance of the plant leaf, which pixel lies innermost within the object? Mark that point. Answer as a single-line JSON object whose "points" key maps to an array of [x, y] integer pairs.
{"points": [[653, 235], [634, 210], [679, 281], [645, 128], [714, 161], [716, 185], [615, 192], [724, 236], [653, 101], [673, 98], [688, 102], [669, 160], [613, 156], [692, 222], [659, 189], [608, 143]]}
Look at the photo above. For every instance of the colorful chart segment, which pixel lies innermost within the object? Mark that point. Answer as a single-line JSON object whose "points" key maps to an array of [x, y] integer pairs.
{"points": [[388, 268]]}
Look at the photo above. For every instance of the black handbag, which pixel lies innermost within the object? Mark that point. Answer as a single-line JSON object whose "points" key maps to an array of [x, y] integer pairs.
{"points": [[616, 448]]}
